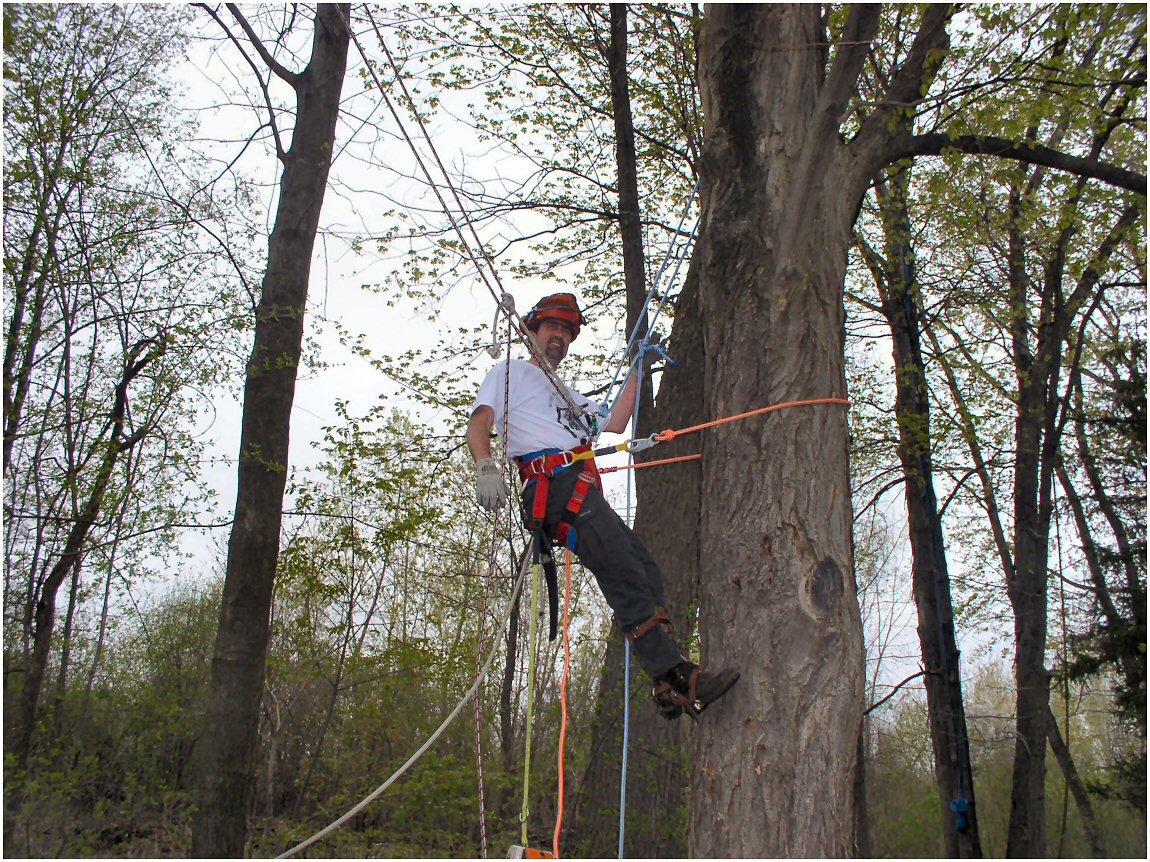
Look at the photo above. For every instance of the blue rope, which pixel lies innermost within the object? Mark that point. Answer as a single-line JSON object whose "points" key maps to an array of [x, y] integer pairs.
{"points": [[626, 737], [679, 249], [645, 346]]}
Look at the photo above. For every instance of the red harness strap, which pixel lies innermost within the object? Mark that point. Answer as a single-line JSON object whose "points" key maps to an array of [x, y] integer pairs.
{"points": [[542, 469]]}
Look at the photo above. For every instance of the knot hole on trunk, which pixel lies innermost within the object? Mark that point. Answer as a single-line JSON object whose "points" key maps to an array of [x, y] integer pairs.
{"points": [[822, 589]]}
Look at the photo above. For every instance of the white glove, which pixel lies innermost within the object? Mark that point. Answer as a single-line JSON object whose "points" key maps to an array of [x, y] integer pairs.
{"points": [[490, 489]]}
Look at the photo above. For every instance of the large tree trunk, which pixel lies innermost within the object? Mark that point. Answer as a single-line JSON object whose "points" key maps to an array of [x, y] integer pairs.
{"points": [[774, 762], [896, 278], [232, 729]]}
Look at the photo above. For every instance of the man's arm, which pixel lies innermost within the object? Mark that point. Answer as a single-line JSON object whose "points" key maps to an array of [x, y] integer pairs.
{"points": [[479, 432], [624, 407], [490, 489]]}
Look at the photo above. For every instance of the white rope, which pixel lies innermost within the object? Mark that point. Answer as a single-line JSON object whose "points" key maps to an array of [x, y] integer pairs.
{"points": [[507, 308], [371, 797], [678, 249]]}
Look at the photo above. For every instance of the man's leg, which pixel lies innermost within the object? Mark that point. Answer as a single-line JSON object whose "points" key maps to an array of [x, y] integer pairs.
{"points": [[626, 573], [632, 584]]}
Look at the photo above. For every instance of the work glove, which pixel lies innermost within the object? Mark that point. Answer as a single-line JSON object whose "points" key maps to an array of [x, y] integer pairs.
{"points": [[490, 489]]}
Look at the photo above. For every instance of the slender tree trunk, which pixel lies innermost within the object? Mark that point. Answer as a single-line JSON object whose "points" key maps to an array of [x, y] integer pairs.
{"points": [[70, 557], [231, 732], [656, 777], [930, 578], [861, 815], [1081, 797], [66, 651], [1037, 374]]}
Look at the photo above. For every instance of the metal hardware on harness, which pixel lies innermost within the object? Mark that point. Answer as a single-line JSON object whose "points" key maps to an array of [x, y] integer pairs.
{"points": [[518, 851], [640, 444]]}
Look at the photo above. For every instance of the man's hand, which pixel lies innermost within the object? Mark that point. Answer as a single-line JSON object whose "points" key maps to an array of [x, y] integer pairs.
{"points": [[490, 489]]}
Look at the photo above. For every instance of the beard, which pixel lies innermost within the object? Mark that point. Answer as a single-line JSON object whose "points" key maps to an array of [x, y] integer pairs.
{"points": [[555, 350]]}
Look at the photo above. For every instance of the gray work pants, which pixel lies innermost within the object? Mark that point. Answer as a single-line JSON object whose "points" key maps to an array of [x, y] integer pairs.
{"points": [[624, 569]]}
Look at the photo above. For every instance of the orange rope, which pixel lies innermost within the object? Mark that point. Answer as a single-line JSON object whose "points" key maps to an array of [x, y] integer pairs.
{"points": [[563, 702], [649, 463], [664, 436]]}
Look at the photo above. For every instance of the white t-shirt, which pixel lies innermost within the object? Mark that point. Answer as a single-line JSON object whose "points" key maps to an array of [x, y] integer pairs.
{"points": [[540, 418]]}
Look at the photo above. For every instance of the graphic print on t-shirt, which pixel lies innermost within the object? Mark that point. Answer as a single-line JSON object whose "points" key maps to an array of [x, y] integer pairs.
{"points": [[566, 417]]}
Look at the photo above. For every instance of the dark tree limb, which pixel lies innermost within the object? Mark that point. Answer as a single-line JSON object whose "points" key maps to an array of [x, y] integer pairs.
{"points": [[281, 72], [937, 143], [1081, 797], [238, 664]]}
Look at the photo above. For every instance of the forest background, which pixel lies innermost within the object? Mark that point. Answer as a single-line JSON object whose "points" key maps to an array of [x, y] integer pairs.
{"points": [[140, 182]]}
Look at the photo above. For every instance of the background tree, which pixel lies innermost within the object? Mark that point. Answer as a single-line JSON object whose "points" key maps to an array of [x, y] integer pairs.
{"points": [[894, 272], [241, 642], [108, 275], [781, 152]]}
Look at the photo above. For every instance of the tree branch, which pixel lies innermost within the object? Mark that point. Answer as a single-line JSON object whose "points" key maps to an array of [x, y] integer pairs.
{"points": [[893, 692], [281, 72], [937, 143], [281, 153], [842, 80]]}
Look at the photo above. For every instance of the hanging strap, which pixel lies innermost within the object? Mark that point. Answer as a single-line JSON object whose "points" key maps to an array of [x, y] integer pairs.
{"points": [[660, 618], [540, 467], [564, 530]]}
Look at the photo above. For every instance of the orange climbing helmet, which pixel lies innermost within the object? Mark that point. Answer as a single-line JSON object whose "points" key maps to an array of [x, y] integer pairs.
{"points": [[563, 307]]}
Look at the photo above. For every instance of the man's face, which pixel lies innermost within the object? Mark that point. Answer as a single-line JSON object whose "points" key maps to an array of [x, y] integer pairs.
{"points": [[552, 338]]}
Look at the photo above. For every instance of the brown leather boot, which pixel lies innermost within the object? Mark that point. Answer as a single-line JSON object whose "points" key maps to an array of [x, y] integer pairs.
{"points": [[686, 688]]}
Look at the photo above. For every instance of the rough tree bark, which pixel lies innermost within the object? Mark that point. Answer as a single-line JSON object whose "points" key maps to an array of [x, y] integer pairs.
{"points": [[232, 727], [781, 188], [774, 762], [895, 275]]}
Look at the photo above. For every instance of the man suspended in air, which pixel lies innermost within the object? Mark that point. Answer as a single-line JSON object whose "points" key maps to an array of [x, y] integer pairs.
{"points": [[564, 499]]}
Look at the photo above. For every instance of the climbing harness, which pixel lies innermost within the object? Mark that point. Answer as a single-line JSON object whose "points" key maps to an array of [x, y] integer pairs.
{"points": [[540, 468]]}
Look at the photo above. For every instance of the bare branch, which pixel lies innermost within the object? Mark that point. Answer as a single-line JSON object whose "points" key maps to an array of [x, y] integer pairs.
{"points": [[285, 74], [935, 144]]}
